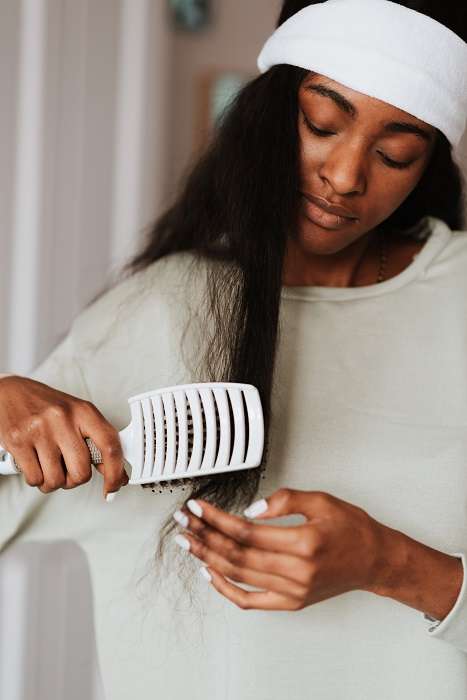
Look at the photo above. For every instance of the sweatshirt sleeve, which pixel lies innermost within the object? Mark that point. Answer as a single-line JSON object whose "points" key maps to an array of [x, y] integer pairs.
{"points": [[18, 501], [453, 628]]}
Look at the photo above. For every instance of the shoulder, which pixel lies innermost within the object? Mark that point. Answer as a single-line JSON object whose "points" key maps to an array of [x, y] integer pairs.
{"points": [[455, 249], [149, 296], [447, 271]]}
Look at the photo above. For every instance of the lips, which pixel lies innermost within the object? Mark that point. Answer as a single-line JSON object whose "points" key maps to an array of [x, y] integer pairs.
{"points": [[324, 219], [328, 207]]}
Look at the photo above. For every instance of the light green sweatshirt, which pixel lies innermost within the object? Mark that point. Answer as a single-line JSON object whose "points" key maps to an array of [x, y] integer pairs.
{"points": [[369, 404]]}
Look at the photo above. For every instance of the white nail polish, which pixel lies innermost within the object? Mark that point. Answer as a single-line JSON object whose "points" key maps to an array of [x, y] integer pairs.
{"points": [[110, 496], [194, 507], [181, 518], [205, 573], [182, 542], [256, 508]]}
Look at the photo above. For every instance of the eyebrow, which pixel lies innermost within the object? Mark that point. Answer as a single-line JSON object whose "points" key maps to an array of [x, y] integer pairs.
{"points": [[346, 106]]}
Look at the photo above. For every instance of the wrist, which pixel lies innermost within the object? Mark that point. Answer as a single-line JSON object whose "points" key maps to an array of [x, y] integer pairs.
{"points": [[390, 561], [417, 575]]}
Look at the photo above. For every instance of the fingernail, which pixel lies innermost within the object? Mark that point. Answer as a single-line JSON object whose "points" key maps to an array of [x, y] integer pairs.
{"points": [[195, 507], [256, 508], [110, 496], [182, 541], [204, 572], [181, 518]]}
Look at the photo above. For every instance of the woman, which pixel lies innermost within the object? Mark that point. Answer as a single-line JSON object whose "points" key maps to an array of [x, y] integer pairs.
{"points": [[363, 391]]}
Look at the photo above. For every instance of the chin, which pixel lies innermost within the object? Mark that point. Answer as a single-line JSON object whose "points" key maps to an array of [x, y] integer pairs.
{"points": [[314, 239]]}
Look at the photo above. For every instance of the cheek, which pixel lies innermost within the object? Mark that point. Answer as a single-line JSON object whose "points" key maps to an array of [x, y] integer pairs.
{"points": [[393, 190], [311, 150], [311, 158], [385, 195]]}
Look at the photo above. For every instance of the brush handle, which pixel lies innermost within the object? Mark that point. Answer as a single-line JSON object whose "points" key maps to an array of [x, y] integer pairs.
{"points": [[8, 465], [96, 456]]}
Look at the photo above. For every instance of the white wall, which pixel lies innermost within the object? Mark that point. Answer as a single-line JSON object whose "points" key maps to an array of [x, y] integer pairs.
{"points": [[47, 637]]}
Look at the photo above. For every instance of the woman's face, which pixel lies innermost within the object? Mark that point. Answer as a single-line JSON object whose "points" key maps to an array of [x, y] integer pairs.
{"points": [[356, 165]]}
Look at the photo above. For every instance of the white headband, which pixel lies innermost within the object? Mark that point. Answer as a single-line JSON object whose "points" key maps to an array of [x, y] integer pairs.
{"points": [[383, 50]]}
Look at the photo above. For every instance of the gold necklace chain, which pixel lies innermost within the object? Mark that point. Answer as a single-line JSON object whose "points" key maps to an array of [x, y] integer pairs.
{"points": [[383, 258]]}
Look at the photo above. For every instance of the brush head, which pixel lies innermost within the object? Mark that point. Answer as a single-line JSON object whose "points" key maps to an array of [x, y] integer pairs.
{"points": [[192, 430]]}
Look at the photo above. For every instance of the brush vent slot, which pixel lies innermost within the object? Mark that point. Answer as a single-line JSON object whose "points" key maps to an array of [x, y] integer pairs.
{"points": [[232, 427]]}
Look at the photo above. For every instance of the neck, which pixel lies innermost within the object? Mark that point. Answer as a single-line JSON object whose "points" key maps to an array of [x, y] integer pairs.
{"points": [[305, 269]]}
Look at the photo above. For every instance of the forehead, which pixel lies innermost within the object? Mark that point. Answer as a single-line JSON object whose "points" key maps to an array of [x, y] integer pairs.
{"points": [[354, 103]]}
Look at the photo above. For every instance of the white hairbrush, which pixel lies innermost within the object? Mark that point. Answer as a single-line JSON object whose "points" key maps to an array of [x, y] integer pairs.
{"points": [[186, 431]]}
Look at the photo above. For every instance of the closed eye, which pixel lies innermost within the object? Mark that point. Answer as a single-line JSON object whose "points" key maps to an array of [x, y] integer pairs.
{"points": [[323, 134]]}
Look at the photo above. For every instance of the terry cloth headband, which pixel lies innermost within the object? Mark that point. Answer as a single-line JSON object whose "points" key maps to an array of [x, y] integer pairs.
{"points": [[383, 50]]}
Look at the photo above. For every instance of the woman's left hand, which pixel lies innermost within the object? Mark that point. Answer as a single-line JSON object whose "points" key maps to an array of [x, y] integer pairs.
{"points": [[339, 548]]}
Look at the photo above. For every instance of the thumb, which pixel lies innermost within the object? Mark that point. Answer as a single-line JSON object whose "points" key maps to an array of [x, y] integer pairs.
{"points": [[285, 501]]}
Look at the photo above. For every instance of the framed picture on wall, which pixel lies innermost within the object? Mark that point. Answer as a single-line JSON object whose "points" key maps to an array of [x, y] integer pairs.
{"points": [[190, 15], [215, 90]]}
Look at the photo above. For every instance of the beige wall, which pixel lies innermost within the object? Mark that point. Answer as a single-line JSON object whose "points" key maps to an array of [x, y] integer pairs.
{"points": [[238, 31]]}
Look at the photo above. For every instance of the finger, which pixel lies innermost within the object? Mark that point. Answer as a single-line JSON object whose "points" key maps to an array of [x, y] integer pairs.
{"points": [[288, 566], [271, 537], [286, 501], [112, 467], [27, 460], [77, 460], [248, 600], [93, 424], [259, 579], [52, 465]]}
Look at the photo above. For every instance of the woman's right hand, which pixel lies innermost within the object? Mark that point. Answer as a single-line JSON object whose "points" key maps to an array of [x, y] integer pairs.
{"points": [[44, 430]]}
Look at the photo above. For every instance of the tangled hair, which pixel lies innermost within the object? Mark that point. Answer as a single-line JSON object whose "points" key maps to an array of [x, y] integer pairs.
{"points": [[239, 203]]}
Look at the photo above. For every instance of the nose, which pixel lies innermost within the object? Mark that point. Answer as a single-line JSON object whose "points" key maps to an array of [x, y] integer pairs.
{"points": [[344, 169]]}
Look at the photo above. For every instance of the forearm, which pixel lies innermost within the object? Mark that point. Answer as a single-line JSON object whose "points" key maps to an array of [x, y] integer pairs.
{"points": [[417, 575]]}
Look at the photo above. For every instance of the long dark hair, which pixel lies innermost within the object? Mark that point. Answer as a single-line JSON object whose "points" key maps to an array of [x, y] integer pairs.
{"points": [[238, 204]]}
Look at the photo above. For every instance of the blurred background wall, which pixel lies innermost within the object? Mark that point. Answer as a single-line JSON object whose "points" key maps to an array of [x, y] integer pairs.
{"points": [[230, 42], [104, 103]]}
